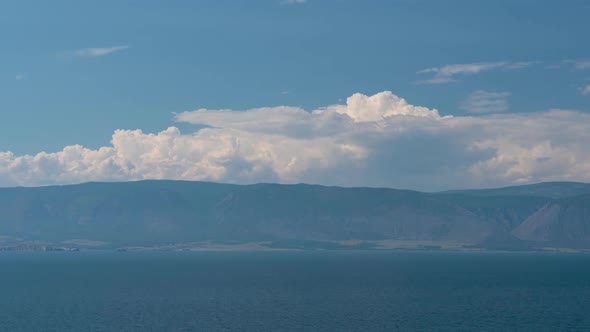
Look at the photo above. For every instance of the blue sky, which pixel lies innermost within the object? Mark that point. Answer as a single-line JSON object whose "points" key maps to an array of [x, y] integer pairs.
{"points": [[74, 72]]}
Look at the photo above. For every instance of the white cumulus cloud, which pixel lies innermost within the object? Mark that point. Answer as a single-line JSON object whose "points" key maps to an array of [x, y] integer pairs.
{"points": [[380, 140]]}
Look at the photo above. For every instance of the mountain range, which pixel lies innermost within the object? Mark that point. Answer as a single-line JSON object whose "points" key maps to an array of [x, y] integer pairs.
{"points": [[165, 213]]}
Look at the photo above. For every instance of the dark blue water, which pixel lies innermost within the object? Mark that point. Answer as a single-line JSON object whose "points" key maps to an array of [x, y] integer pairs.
{"points": [[287, 291]]}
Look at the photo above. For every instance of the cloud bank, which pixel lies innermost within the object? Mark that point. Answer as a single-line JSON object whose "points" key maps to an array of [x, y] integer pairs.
{"points": [[380, 140]]}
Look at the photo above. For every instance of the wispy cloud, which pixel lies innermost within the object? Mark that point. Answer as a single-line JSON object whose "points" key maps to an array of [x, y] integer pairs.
{"points": [[293, 2], [585, 90], [582, 64], [19, 77], [485, 102], [99, 51], [554, 66], [450, 73], [579, 64], [521, 64]]}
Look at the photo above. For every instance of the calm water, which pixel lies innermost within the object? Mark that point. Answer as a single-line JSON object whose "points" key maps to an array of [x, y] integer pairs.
{"points": [[306, 291]]}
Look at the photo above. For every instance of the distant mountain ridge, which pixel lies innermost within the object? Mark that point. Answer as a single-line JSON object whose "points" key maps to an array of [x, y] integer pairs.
{"points": [[544, 189], [147, 213]]}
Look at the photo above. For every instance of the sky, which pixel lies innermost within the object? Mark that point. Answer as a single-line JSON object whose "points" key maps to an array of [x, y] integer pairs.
{"points": [[426, 95]]}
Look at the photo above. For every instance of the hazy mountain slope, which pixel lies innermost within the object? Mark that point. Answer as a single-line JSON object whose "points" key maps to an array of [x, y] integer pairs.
{"points": [[144, 211], [304, 211], [506, 212], [547, 189], [155, 212], [564, 221], [166, 211]]}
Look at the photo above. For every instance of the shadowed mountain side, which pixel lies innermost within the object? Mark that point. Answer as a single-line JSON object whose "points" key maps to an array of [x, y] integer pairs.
{"points": [[134, 212], [317, 212], [157, 212]]}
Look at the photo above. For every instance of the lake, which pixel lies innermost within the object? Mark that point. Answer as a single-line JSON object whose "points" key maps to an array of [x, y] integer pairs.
{"points": [[294, 291]]}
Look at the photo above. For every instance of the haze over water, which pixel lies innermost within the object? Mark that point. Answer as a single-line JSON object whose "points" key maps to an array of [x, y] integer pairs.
{"points": [[294, 291]]}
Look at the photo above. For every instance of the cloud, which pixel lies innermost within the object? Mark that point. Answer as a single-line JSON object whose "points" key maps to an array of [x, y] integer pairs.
{"points": [[19, 77], [585, 90], [359, 108], [554, 66], [485, 102], [294, 2], [521, 64], [582, 64], [99, 51], [380, 140], [450, 73]]}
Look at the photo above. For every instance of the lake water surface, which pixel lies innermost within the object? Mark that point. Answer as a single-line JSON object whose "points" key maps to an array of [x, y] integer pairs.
{"points": [[294, 291]]}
